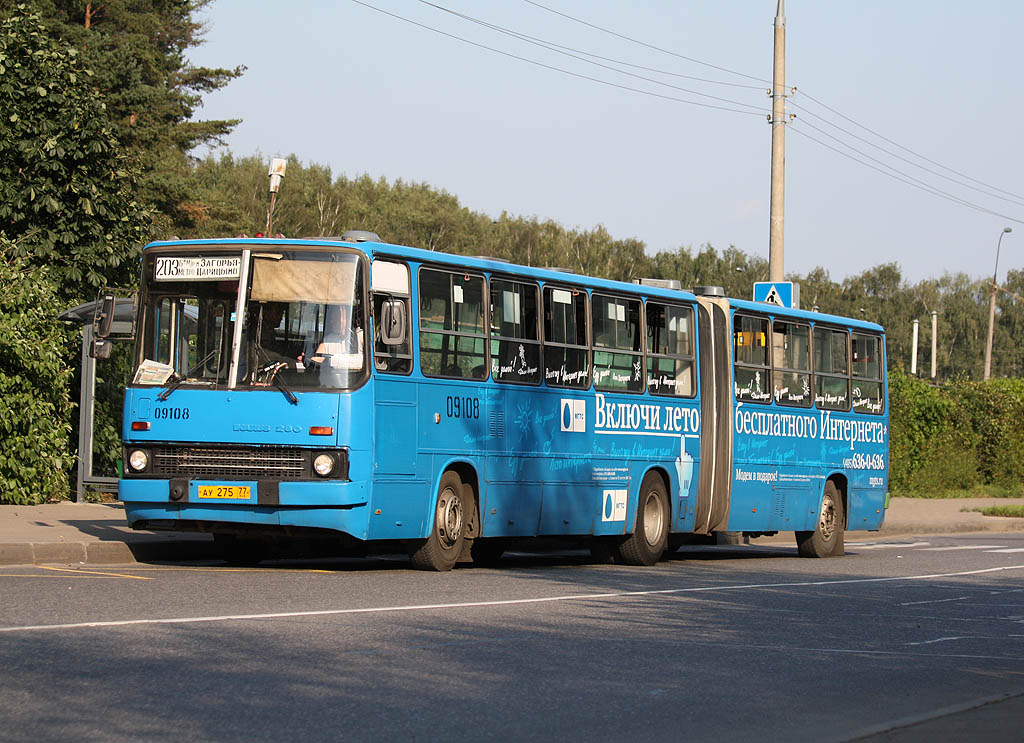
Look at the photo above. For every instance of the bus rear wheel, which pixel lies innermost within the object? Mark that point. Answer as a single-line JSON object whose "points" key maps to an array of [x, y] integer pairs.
{"points": [[827, 539], [647, 543], [452, 514]]}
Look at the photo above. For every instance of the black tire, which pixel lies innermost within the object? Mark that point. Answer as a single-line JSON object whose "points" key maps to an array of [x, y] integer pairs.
{"points": [[240, 551], [827, 539], [647, 543], [487, 552], [441, 550]]}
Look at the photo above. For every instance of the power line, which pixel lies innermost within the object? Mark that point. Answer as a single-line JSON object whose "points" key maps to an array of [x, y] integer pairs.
{"points": [[901, 176], [644, 43], [552, 67], [907, 149], [554, 45], [907, 160], [807, 95], [561, 50], [558, 48]]}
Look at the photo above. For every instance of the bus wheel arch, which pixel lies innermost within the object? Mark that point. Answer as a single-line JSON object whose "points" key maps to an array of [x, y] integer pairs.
{"points": [[842, 485], [649, 539], [827, 539], [471, 493]]}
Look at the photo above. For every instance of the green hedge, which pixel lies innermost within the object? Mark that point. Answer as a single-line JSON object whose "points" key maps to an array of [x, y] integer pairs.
{"points": [[35, 406], [960, 436]]}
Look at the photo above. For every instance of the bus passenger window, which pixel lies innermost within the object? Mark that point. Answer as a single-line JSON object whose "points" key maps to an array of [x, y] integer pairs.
{"points": [[670, 359], [831, 369], [791, 362], [751, 373], [618, 363], [566, 355], [515, 347], [452, 340], [867, 374]]}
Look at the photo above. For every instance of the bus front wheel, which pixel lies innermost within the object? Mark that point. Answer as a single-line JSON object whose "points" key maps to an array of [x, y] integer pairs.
{"points": [[650, 537], [442, 548], [827, 538]]}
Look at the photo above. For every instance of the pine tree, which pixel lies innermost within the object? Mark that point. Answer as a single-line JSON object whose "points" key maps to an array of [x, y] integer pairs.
{"points": [[136, 50]]}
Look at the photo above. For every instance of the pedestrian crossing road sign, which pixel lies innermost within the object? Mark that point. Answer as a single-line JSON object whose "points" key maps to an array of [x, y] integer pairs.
{"points": [[782, 293]]}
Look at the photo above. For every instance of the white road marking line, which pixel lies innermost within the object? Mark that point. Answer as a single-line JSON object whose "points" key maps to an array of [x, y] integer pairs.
{"points": [[944, 639], [962, 547], [935, 601], [506, 602], [1009, 551], [886, 545]]}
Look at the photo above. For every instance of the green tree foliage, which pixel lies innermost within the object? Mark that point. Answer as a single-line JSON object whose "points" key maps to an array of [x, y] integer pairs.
{"points": [[136, 50], [66, 191], [34, 385], [233, 199]]}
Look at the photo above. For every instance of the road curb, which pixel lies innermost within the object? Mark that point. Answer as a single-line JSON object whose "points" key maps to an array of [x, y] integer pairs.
{"points": [[106, 553]]}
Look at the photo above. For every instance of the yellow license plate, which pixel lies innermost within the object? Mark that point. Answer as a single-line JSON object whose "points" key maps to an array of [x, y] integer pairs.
{"points": [[219, 492]]}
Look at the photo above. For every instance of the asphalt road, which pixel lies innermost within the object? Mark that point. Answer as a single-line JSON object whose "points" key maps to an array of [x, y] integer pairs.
{"points": [[899, 639]]}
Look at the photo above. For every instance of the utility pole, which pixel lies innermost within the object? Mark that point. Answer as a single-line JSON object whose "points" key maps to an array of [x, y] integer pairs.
{"points": [[935, 342], [913, 352], [778, 122], [992, 306]]}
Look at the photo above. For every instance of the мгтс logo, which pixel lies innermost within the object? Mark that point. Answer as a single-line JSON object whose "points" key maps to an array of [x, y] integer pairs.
{"points": [[574, 415]]}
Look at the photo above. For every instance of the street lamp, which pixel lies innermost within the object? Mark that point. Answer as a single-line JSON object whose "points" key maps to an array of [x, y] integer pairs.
{"points": [[992, 305]]}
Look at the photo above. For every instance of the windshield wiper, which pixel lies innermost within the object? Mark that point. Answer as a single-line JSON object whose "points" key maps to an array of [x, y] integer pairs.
{"points": [[180, 380], [280, 384], [271, 371]]}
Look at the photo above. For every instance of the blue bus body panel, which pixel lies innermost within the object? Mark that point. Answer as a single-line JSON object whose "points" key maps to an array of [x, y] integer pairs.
{"points": [[238, 417], [255, 417], [783, 455]]}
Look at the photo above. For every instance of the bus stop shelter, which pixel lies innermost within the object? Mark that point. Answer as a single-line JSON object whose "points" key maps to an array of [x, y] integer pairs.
{"points": [[124, 310]]}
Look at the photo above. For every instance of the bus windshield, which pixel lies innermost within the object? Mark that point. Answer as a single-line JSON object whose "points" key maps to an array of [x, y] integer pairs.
{"points": [[302, 323]]}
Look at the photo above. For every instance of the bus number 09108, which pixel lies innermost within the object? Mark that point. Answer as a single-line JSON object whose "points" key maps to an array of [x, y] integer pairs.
{"points": [[463, 407]]}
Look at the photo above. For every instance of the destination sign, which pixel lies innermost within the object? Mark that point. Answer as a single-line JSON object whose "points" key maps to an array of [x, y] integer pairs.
{"points": [[197, 268]]}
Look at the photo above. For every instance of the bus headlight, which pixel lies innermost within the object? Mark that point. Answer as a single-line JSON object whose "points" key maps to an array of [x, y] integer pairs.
{"points": [[323, 464], [138, 460]]}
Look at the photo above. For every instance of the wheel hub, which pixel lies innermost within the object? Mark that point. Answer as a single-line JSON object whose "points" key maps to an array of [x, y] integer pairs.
{"points": [[652, 518], [449, 518], [827, 520]]}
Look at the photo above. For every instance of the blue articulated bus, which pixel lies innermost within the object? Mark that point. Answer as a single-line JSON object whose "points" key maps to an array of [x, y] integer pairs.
{"points": [[368, 396]]}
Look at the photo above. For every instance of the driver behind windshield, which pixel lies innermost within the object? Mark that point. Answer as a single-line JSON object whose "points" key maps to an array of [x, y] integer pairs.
{"points": [[273, 346]]}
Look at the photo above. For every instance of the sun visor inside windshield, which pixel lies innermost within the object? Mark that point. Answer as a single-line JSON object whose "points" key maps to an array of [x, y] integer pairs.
{"points": [[321, 282]]}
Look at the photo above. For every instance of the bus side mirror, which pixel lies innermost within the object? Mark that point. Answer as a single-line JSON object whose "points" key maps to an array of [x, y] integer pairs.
{"points": [[100, 349], [103, 320], [392, 322], [102, 324]]}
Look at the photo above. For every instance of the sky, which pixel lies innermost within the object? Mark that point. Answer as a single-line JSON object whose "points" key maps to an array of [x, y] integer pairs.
{"points": [[347, 86]]}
